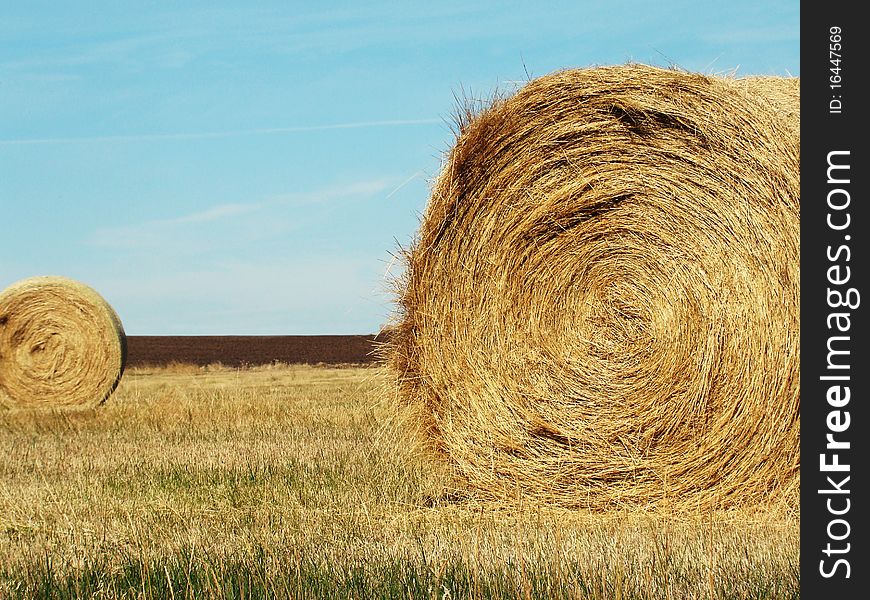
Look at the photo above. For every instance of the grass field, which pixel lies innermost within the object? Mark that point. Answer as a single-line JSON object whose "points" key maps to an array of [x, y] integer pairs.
{"points": [[290, 482]]}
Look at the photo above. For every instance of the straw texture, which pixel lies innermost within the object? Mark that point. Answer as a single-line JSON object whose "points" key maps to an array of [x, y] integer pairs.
{"points": [[601, 308], [61, 345]]}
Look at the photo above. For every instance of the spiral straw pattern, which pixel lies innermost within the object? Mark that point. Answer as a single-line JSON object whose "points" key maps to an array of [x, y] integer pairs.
{"points": [[601, 308], [61, 345]]}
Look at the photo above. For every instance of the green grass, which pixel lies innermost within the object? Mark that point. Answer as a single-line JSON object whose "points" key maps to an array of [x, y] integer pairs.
{"points": [[291, 482], [263, 575]]}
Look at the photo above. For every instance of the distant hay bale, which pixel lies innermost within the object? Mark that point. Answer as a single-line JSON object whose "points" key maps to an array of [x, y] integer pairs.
{"points": [[61, 345], [601, 308]]}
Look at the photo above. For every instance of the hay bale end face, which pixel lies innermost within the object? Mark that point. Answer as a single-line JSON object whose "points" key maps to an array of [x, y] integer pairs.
{"points": [[601, 308], [61, 345]]}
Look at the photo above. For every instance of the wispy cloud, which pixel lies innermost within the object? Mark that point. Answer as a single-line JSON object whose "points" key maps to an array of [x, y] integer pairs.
{"points": [[171, 234], [77, 54], [214, 213], [148, 137], [154, 237], [309, 295], [332, 193], [196, 232], [153, 38]]}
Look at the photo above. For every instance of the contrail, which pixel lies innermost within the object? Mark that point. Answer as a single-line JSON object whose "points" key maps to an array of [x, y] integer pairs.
{"points": [[147, 137]]}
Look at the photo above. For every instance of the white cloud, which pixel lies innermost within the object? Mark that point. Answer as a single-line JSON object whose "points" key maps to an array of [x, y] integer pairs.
{"points": [[214, 213], [174, 235], [221, 225], [307, 296], [149, 137], [356, 189]]}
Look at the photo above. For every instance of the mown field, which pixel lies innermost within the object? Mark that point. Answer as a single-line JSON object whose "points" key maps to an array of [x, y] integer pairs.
{"points": [[291, 481]]}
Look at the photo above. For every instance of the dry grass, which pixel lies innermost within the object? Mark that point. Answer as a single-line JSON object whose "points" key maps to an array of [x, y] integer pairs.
{"points": [[784, 93], [602, 308], [61, 344], [291, 482]]}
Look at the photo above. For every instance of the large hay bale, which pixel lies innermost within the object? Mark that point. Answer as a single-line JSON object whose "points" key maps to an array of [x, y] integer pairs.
{"points": [[61, 344], [783, 93], [602, 305]]}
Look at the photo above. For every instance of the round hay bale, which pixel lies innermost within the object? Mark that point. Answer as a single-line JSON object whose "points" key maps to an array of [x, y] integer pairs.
{"points": [[61, 345], [783, 94], [601, 308]]}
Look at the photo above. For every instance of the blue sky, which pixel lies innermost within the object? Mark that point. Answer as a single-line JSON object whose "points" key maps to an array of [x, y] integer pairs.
{"points": [[250, 168]]}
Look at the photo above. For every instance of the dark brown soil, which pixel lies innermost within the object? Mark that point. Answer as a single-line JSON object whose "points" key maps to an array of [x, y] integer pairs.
{"points": [[244, 350]]}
